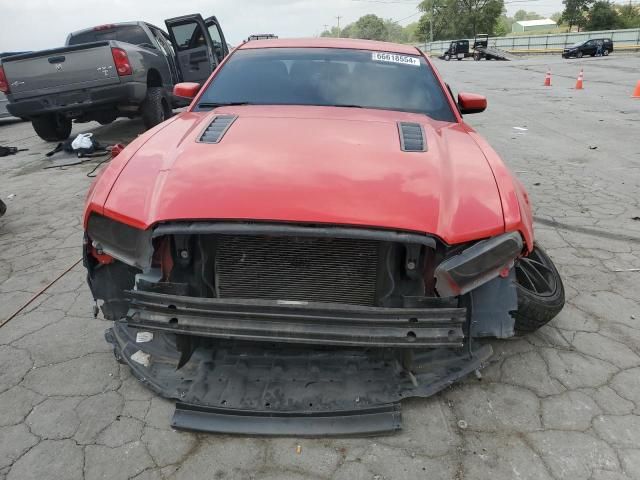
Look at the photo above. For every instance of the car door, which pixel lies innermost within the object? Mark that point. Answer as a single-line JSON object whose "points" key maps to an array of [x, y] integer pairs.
{"points": [[167, 67], [220, 47], [194, 47], [589, 48]]}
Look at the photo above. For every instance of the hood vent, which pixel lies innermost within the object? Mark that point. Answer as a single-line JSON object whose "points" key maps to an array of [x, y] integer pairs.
{"points": [[412, 137], [216, 129]]}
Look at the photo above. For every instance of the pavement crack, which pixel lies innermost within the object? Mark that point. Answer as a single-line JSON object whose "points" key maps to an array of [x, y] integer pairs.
{"points": [[586, 230]]}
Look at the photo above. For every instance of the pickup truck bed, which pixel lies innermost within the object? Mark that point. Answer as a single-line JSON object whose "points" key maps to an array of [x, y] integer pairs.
{"points": [[109, 71], [70, 78]]}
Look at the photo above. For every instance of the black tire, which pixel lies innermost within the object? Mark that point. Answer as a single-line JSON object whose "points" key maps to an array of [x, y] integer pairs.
{"points": [[447, 57], [606, 53], [52, 127], [579, 54], [3, 208], [156, 107], [459, 58], [477, 56], [540, 292]]}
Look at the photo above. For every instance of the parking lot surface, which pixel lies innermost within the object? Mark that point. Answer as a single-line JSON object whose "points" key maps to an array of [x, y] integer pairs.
{"points": [[563, 403]]}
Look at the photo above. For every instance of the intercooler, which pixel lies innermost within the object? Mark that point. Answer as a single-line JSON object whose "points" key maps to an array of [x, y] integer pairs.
{"points": [[335, 270]]}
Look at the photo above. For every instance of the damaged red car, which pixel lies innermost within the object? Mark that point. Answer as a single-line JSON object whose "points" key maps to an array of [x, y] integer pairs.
{"points": [[318, 237]]}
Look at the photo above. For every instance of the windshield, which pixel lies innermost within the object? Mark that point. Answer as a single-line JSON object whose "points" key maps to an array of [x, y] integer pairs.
{"points": [[329, 77], [133, 34], [577, 44]]}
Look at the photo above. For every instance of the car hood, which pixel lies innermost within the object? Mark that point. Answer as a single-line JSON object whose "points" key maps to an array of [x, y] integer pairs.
{"points": [[311, 165]]}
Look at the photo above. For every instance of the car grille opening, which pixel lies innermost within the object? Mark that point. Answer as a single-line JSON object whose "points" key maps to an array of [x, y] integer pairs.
{"points": [[335, 270]]}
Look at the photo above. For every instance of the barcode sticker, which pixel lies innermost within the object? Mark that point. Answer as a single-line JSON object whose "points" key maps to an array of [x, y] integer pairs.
{"points": [[395, 58]]}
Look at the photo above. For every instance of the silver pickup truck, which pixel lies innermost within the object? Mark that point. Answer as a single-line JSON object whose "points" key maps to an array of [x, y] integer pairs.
{"points": [[111, 71]]}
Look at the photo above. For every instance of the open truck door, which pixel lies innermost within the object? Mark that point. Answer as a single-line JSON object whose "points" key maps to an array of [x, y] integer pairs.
{"points": [[220, 48], [195, 49]]}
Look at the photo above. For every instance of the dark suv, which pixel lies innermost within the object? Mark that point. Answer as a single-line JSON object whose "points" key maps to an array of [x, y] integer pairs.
{"points": [[593, 47]]}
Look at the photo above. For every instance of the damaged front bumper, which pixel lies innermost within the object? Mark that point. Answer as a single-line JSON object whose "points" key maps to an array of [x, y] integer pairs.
{"points": [[297, 330], [263, 389], [299, 322]]}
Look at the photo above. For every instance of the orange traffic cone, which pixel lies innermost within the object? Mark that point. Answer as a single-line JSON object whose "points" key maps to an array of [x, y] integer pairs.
{"points": [[547, 79], [636, 92], [580, 80]]}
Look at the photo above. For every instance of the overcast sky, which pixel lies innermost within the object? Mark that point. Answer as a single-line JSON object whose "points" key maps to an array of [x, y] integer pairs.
{"points": [[39, 24]]}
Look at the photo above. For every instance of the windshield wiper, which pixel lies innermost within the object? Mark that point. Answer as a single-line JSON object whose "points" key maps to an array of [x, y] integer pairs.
{"points": [[220, 104], [344, 105]]}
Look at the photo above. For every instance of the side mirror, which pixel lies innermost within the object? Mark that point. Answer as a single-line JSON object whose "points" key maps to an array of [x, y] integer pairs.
{"points": [[186, 89], [471, 103]]}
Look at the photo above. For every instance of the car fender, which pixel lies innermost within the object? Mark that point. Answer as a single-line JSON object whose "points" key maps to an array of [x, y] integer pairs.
{"points": [[101, 187], [516, 207]]}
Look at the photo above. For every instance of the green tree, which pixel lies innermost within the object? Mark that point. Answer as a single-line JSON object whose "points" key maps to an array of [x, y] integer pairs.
{"points": [[629, 16], [411, 31], [347, 31], [602, 16], [369, 27], [480, 16], [574, 13], [556, 17], [504, 25], [521, 15], [435, 19], [330, 33], [451, 19], [395, 32]]}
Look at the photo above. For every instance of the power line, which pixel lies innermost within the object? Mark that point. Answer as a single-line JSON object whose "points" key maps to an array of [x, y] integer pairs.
{"points": [[406, 18]]}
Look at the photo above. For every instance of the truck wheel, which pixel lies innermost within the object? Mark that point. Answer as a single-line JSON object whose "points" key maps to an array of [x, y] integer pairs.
{"points": [[476, 56], [155, 108], [540, 291], [447, 57], [52, 127]]}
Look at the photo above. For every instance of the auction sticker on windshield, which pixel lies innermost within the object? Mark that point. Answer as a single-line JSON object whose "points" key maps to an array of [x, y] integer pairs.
{"points": [[394, 58]]}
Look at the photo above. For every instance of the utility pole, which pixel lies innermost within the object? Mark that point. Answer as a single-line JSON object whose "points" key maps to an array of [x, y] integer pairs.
{"points": [[338, 17], [433, 12], [326, 29]]}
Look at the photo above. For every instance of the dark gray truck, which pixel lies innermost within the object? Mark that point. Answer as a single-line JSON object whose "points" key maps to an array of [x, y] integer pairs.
{"points": [[111, 71]]}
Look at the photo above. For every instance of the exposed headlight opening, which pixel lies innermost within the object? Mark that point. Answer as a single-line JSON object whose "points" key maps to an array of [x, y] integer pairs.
{"points": [[477, 264], [123, 242]]}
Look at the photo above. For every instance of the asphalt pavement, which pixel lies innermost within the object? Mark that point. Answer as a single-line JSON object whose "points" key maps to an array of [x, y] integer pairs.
{"points": [[563, 403]]}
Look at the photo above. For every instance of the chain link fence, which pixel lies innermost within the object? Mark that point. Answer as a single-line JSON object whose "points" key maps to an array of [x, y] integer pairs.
{"points": [[622, 39]]}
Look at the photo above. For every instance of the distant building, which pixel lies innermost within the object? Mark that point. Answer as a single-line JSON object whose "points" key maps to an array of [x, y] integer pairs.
{"points": [[532, 25]]}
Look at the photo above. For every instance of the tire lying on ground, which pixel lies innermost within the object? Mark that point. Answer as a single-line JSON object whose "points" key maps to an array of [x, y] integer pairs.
{"points": [[156, 107], [540, 291], [52, 127]]}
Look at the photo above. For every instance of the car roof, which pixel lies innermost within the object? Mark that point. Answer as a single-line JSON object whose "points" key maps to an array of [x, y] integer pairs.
{"points": [[328, 42]]}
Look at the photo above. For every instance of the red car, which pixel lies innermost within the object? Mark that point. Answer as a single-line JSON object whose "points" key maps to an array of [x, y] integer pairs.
{"points": [[319, 236]]}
